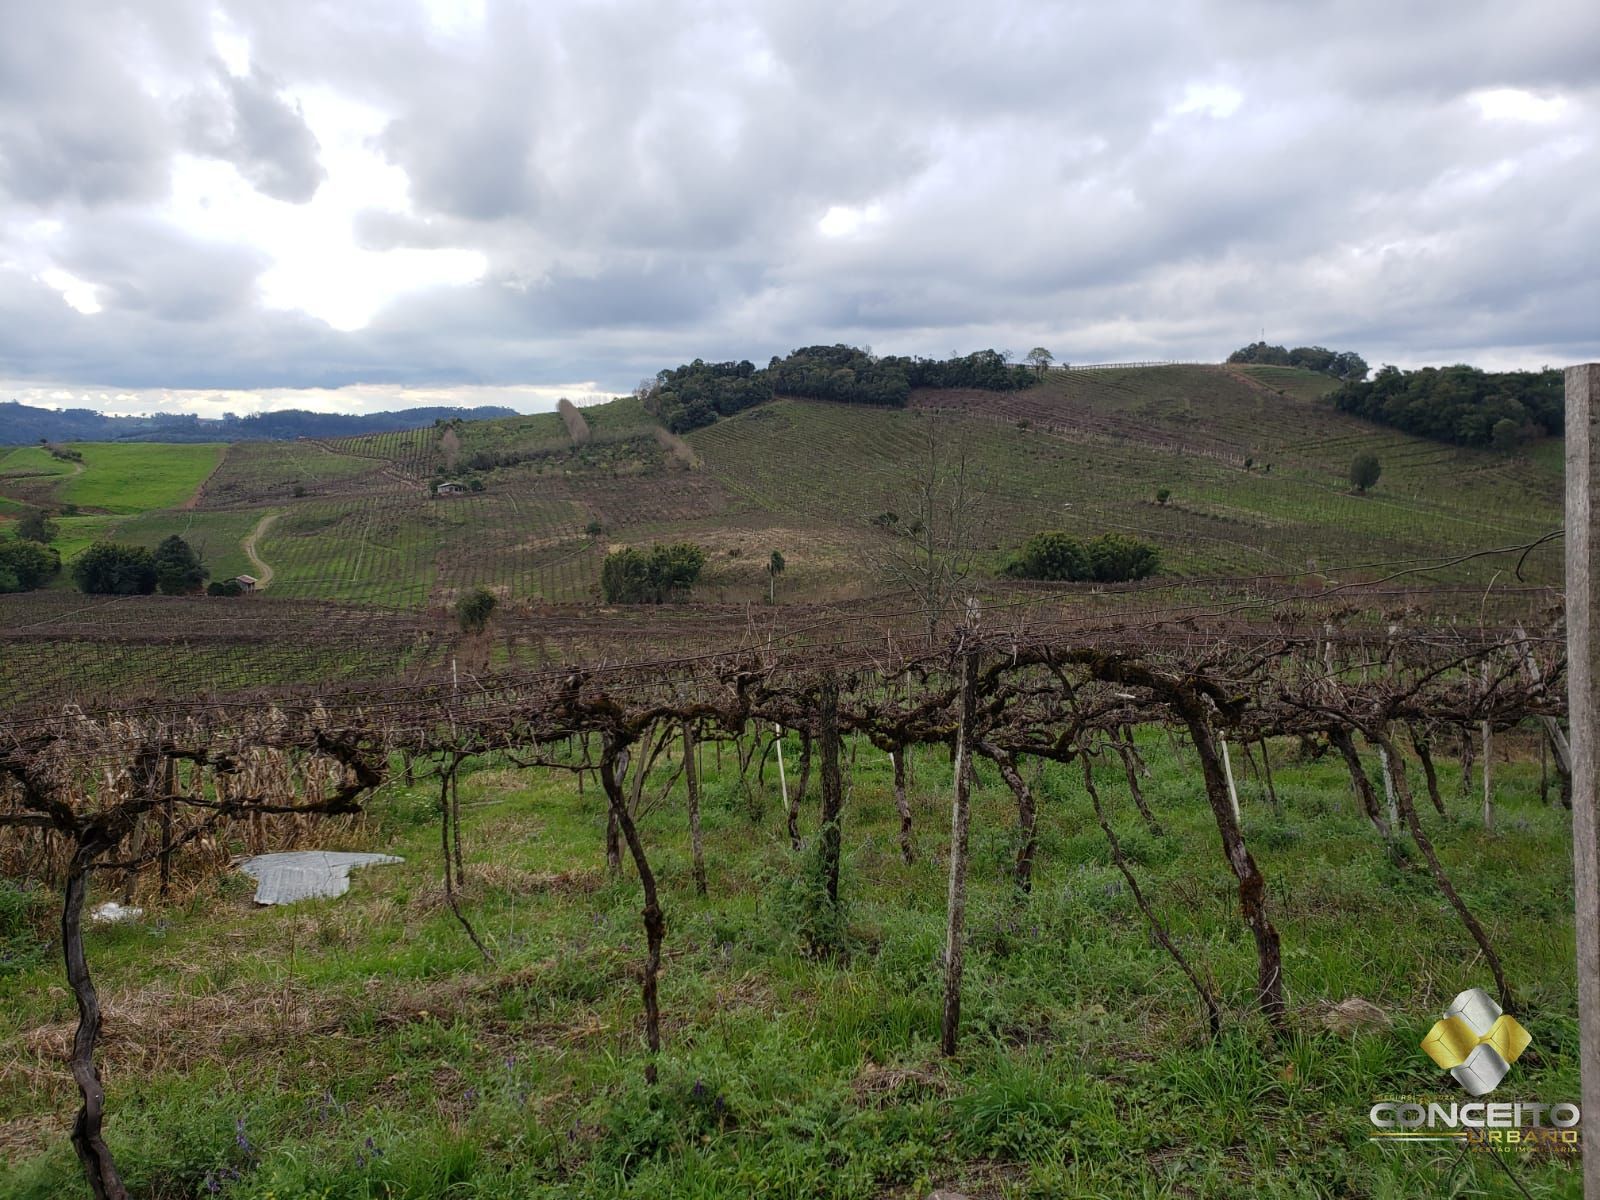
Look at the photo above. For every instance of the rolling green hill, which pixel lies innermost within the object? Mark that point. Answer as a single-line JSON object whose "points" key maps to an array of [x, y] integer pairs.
{"points": [[1254, 461]]}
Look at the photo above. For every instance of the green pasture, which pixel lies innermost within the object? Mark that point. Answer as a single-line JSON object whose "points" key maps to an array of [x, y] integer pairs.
{"points": [[361, 1047], [131, 478]]}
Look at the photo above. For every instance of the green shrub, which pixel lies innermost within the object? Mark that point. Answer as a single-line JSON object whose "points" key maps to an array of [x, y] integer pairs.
{"points": [[474, 609], [25, 565], [1364, 471], [633, 576], [799, 906], [1059, 557]]}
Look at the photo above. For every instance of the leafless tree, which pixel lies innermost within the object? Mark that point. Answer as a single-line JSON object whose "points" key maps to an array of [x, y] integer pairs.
{"points": [[940, 511]]}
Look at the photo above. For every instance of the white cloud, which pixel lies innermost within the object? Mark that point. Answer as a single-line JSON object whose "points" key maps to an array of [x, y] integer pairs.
{"points": [[842, 220], [1515, 104], [230, 45], [1217, 100], [455, 18], [455, 193], [316, 265], [76, 292]]}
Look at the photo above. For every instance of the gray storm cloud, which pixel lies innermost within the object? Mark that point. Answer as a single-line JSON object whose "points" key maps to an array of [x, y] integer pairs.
{"points": [[648, 182]]}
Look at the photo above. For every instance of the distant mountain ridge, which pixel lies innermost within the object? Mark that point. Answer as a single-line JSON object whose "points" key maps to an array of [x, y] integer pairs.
{"points": [[23, 424]]}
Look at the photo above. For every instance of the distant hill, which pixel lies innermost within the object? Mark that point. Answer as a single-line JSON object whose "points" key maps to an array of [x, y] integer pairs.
{"points": [[1229, 471], [22, 424]]}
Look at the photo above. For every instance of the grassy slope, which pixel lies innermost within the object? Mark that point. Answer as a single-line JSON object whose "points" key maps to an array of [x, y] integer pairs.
{"points": [[361, 1048], [121, 487], [837, 465], [136, 478], [1085, 451]]}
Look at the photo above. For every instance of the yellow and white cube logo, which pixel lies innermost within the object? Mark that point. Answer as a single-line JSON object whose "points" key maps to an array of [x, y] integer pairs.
{"points": [[1476, 1042]]}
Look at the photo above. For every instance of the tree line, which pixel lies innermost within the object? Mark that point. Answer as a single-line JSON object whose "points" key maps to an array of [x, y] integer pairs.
{"points": [[22, 424], [1461, 404], [696, 394], [1341, 364], [27, 562]]}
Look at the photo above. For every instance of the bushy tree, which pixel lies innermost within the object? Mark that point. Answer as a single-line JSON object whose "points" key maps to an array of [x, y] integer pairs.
{"points": [[225, 587], [25, 565], [1461, 404], [1506, 435], [1110, 558], [697, 393], [34, 526], [179, 571], [474, 609], [1051, 555], [1116, 558], [633, 576], [1364, 471], [110, 569]]}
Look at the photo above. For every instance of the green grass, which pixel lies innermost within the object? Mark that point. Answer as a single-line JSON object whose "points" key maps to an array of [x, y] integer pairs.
{"points": [[1088, 453], [217, 537], [125, 478], [360, 1048], [78, 534], [31, 462]]}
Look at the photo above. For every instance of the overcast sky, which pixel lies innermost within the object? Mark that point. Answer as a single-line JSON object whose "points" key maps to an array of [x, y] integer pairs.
{"points": [[473, 201]]}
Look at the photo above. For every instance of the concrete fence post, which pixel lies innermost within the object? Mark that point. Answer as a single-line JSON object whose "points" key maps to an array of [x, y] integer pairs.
{"points": [[1583, 700]]}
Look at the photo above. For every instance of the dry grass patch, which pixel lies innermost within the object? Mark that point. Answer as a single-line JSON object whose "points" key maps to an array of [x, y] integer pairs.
{"points": [[881, 1086]]}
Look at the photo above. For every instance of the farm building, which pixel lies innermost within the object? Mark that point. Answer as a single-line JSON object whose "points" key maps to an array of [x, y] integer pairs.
{"points": [[247, 582], [450, 488]]}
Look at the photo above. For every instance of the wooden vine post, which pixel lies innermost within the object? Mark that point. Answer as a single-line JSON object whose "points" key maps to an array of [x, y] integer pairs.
{"points": [[960, 822], [691, 781], [1583, 711], [830, 836]]}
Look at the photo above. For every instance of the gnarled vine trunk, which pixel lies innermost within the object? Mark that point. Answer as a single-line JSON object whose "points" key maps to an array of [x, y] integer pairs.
{"points": [[1027, 817], [1340, 737], [902, 806], [655, 923], [1252, 886], [1408, 811], [99, 1168]]}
